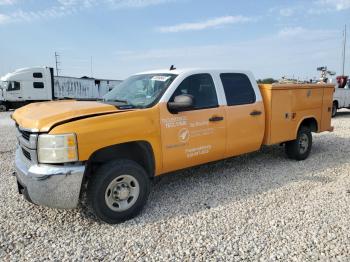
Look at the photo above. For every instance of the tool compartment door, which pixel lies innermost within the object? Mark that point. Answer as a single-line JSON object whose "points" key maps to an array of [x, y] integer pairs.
{"points": [[283, 122], [327, 109], [289, 106]]}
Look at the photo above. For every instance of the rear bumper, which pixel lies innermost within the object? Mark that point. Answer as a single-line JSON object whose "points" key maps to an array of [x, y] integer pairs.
{"points": [[49, 185]]}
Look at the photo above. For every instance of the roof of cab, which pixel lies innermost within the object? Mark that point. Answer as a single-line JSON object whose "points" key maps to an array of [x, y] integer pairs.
{"points": [[168, 71], [21, 71], [191, 70]]}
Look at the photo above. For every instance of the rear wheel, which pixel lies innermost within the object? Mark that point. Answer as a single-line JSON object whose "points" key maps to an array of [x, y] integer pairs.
{"points": [[299, 149], [334, 109], [118, 191]]}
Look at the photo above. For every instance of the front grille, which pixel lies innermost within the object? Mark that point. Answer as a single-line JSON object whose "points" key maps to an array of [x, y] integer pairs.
{"points": [[25, 134], [28, 144], [26, 154]]}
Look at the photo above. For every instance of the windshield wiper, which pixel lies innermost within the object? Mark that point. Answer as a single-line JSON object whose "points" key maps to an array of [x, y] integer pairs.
{"points": [[127, 106], [116, 100]]}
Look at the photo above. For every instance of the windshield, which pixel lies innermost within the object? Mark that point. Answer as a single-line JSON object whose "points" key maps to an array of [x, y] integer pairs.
{"points": [[3, 85], [139, 91]]}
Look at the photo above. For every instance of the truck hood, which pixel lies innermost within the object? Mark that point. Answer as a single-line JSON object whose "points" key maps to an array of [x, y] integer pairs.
{"points": [[41, 117]]}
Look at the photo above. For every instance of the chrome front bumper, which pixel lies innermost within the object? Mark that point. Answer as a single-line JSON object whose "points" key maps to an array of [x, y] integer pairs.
{"points": [[49, 185]]}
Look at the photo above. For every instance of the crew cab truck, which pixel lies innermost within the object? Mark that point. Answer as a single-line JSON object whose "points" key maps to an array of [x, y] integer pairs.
{"points": [[155, 123]]}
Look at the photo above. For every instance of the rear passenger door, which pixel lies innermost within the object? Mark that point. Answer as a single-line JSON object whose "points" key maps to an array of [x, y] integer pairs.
{"points": [[197, 135], [244, 113]]}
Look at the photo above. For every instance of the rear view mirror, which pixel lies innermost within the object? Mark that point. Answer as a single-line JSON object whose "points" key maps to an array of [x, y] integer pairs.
{"points": [[181, 103]]}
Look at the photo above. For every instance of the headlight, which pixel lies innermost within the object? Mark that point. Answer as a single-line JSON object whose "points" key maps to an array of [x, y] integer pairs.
{"points": [[57, 148]]}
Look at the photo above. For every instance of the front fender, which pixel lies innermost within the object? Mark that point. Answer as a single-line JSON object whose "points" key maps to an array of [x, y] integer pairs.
{"points": [[103, 131]]}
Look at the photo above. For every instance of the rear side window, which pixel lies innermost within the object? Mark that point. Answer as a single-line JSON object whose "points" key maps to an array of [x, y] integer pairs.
{"points": [[38, 85], [201, 87], [13, 86], [37, 75], [238, 89]]}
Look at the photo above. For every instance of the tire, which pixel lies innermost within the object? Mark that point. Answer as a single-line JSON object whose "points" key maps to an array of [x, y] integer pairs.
{"points": [[334, 109], [3, 107], [118, 191], [299, 149]]}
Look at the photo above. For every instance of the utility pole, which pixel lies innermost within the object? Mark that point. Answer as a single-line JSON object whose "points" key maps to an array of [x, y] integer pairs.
{"points": [[91, 74], [57, 57], [344, 51]]}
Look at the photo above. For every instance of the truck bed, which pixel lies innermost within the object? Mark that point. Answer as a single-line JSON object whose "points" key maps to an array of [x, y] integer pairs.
{"points": [[287, 105]]}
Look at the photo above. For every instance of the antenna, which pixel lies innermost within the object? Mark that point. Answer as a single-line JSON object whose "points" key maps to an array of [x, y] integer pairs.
{"points": [[172, 67], [344, 50], [57, 62]]}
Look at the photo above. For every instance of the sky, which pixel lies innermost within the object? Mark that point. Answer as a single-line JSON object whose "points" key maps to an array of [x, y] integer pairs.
{"points": [[121, 37]]}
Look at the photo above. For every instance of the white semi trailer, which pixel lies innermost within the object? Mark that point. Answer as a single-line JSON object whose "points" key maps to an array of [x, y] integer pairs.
{"points": [[36, 84]]}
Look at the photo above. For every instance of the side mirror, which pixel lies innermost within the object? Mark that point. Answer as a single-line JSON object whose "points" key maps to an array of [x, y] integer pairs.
{"points": [[181, 103]]}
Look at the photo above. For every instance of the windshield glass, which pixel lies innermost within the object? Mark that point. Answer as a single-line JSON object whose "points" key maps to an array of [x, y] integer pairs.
{"points": [[139, 91], [3, 85]]}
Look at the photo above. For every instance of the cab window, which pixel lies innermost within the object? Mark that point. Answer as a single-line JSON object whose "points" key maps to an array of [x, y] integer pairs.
{"points": [[38, 85], [238, 89], [13, 86], [201, 87], [37, 75]]}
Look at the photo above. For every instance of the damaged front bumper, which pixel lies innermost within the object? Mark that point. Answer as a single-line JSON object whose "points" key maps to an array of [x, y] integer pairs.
{"points": [[49, 185]]}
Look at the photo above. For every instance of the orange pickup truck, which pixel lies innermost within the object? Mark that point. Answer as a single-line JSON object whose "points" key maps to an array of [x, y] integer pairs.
{"points": [[154, 123]]}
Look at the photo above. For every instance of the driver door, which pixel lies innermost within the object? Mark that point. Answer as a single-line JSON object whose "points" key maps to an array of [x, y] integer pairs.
{"points": [[14, 91], [195, 136]]}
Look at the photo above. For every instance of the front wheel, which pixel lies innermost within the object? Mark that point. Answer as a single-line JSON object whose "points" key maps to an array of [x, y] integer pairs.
{"points": [[299, 149], [3, 107], [118, 191], [334, 109]]}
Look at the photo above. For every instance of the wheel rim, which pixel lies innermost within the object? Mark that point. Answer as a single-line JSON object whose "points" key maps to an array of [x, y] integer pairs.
{"points": [[2, 108], [122, 193], [303, 143]]}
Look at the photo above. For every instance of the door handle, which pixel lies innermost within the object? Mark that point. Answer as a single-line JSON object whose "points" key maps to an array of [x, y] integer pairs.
{"points": [[216, 118], [255, 113]]}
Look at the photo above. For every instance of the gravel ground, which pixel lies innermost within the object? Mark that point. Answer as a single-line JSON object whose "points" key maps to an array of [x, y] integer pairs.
{"points": [[260, 206]]}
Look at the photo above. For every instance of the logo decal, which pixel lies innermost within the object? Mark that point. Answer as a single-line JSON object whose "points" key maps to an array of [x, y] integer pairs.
{"points": [[184, 135]]}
